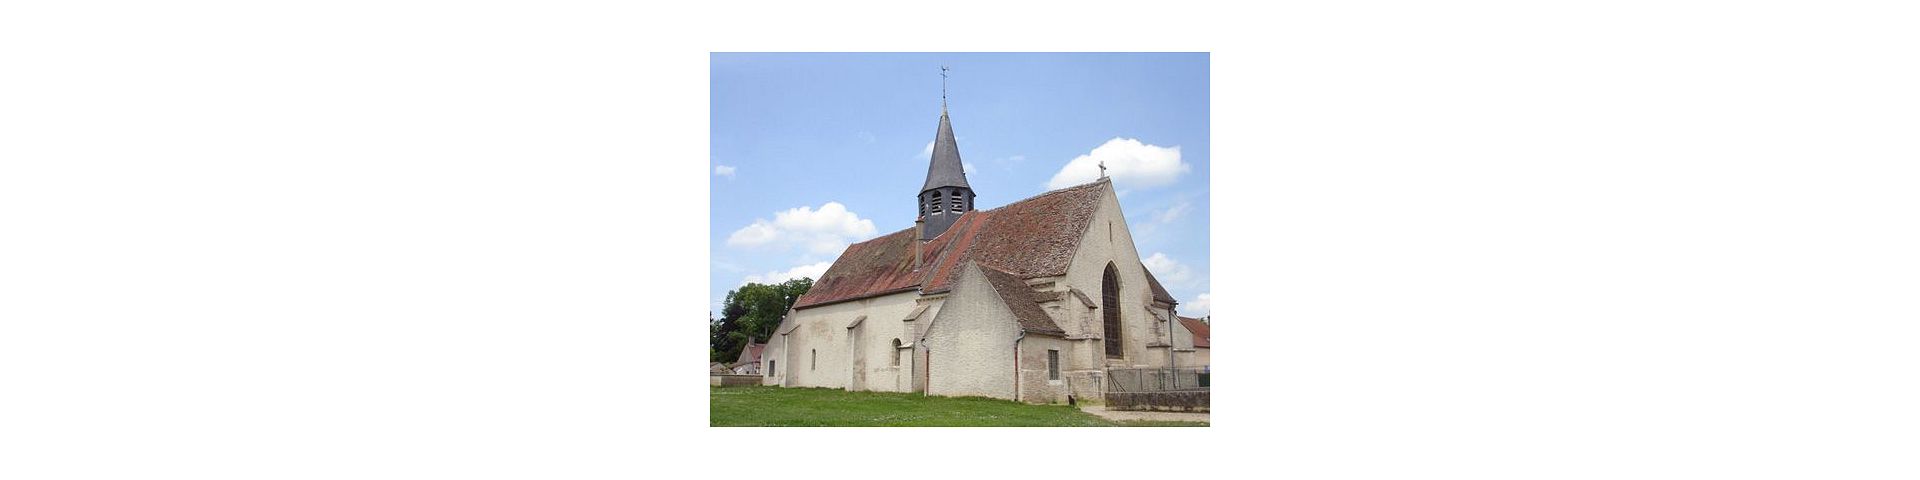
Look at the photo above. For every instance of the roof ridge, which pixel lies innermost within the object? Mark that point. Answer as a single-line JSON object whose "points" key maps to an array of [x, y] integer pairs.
{"points": [[843, 251], [1037, 236], [1048, 193], [1009, 204]]}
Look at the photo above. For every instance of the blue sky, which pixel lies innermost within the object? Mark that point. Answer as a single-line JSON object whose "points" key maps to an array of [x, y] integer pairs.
{"points": [[812, 152]]}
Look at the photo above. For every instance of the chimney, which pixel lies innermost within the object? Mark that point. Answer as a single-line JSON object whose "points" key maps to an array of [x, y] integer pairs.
{"points": [[919, 235]]}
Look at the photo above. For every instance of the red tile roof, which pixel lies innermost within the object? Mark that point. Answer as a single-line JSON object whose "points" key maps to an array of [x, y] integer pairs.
{"points": [[1024, 302], [1034, 237], [751, 354], [1199, 329], [874, 267]]}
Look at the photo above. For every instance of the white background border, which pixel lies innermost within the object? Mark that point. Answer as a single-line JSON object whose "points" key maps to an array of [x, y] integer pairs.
{"points": [[441, 239]]}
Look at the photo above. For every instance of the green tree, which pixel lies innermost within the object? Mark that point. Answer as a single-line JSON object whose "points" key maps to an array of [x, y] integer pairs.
{"points": [[751, 312]]}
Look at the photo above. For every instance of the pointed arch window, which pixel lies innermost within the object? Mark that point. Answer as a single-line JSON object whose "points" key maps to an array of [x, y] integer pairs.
{"points": [[936, 205], [1110, 310]]}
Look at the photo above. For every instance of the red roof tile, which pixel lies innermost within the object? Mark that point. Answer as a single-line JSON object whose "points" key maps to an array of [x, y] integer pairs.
{"points": [[1023, 301], [1199, 329], [1034, 237], [874, 267], [751, 354]]}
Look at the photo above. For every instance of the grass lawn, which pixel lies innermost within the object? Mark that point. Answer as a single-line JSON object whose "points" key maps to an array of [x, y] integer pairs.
{"points": [[825, 407]]}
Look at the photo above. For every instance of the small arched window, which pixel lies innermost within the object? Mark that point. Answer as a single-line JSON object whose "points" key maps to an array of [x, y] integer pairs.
{"points": [[813, 359], [896, 352], [935, 205]]}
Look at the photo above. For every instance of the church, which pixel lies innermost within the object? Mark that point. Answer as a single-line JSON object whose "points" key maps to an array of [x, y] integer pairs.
{"points": [[1033, 301]]}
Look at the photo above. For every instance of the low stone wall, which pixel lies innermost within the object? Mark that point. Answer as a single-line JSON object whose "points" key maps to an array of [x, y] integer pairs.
{"points": [[1186, 401], [732, 380]]}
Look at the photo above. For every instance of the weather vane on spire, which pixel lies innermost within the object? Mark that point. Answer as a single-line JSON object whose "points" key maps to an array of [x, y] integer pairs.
{"points": [[943, 89]]}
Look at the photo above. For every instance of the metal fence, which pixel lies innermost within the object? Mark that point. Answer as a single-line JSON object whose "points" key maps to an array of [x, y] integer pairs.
{"points": [[1186, 389]]}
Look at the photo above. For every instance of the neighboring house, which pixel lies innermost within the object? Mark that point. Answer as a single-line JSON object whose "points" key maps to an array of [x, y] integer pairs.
{"points": [[717, 367], [749, 362], [1190, 341], [1032, 301]]}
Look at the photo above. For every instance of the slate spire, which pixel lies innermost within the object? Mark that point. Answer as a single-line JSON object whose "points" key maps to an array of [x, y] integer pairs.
{"points": [[945, 169], [945, 195]]}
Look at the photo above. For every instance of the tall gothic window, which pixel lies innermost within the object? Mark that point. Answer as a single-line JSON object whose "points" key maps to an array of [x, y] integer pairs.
{"points": [[1110, 309]]}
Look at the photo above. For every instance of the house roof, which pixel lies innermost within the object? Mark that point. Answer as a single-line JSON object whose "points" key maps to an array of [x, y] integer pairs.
{"points": [[1024, 302], [1034, 237], [874, 267], [751, 354], [1199, 329]]}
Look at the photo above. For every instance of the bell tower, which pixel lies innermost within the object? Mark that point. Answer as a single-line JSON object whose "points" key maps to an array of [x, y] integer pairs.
{"points": [[945, 195]]}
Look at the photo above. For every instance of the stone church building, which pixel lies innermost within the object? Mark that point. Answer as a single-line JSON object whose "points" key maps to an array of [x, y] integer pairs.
{"points": [[1032, 301]]}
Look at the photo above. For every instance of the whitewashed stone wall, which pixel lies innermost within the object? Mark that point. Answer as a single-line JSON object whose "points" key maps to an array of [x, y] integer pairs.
{"points": [[822, 352], [1035, 386], [1108, 240], [1186, 354], [970, 343]]}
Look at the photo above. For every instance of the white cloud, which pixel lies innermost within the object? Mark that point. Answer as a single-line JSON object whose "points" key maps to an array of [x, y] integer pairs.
{"points": [[966, 167], [723, 171], [1170, 272], [926, 153], [1130, 163], [812, 271], [1200, 306], [825, 231], [866, 136], [1173, 213]]}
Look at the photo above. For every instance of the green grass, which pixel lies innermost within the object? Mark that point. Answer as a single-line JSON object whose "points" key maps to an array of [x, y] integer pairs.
{"points": [[825, 407]]}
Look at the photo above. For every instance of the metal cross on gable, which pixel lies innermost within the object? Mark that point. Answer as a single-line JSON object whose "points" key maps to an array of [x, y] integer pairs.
{"points": [[1103, 169]]}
